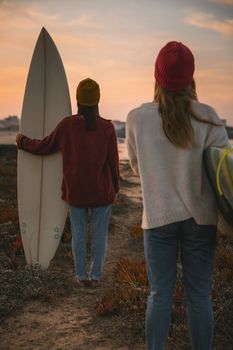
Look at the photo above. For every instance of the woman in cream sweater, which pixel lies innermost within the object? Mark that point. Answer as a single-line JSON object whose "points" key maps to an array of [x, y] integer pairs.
{"points": [[165, 140]]}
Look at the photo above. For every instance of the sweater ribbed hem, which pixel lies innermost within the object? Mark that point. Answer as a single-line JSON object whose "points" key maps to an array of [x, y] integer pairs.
{"points": [[89, 204], [206, 219], [153, 222]]}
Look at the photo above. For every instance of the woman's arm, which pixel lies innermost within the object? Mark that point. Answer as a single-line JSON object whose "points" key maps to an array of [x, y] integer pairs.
{"points": [[50, 144], [217, 135], [113, 160], [131, 145]]}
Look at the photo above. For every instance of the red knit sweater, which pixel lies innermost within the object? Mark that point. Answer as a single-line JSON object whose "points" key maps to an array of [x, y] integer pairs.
{"points": [[90, 160]]}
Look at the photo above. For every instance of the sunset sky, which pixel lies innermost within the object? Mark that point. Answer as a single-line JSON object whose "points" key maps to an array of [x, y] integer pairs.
{"points": [[116, 43]]}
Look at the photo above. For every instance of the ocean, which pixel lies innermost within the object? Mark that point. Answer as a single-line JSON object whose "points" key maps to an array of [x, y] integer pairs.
{"points": [[7, 137]]}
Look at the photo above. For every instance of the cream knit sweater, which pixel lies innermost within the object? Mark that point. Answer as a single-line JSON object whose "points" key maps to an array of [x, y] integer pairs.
{"points": [[174, 182]]}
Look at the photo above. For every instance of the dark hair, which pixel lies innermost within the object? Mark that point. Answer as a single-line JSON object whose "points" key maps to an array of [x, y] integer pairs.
{"points": [[90, 114]]}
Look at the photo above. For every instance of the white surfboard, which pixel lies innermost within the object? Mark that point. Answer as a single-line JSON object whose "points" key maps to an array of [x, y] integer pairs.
{"points": [[42, 213]]}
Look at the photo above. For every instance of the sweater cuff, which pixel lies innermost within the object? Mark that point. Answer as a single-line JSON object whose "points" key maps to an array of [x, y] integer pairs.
{"points": [[20, 141]]}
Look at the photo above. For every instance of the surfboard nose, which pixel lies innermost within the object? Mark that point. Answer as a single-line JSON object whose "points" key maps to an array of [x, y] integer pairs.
{"points": [[44, 35], [44, 30]]}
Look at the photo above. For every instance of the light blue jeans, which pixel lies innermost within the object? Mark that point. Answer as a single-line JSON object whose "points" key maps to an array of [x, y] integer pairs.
{"points": [[99, 231], [197, 246]]}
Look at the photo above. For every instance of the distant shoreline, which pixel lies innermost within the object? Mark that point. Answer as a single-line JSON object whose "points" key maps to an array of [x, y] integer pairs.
{"points": [[7, 137]]}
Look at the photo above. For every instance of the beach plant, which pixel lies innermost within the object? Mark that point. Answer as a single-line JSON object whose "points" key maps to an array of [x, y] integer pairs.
{"points": [[136, 232], [67, 236], [9, 214], [68, 253], [8, 171], [124, 299], [131, 272], [224, 258], [131, 290]]}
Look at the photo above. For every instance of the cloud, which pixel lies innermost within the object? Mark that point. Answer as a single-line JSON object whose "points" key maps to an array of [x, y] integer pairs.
{"points": [[17, 15], [84, 21], [209, 21], [223, 2], [24, 17]]}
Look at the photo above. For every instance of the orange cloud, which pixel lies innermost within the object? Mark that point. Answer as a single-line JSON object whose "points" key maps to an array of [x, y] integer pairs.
{"points": [[84, 21], [223, 2], [209, 21], [17, 15]]}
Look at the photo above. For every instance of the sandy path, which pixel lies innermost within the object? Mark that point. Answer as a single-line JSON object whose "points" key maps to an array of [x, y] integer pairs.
{"points": [[70, 322]]}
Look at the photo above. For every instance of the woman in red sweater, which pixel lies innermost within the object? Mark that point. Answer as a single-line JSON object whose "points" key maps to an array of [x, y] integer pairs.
{"points": [[89, 150]]}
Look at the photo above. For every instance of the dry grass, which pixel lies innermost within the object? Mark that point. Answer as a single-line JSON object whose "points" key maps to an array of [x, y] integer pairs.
{"points": [[9, 215], [131, 272], [224, 258], [131, 290], [136, 232]]}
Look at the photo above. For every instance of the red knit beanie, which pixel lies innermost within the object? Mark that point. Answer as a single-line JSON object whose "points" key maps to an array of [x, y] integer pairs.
{"points": [[174, 66]]}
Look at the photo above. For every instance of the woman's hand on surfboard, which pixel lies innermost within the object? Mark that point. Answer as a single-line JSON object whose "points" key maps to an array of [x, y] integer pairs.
{"points": [[18, 138]]}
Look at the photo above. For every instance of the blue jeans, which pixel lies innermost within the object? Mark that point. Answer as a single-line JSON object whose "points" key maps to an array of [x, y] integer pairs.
{"points": [[99, 229], [197, 246]]}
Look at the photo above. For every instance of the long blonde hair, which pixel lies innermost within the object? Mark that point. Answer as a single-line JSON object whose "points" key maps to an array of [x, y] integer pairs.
{"points": [[176, 112]]}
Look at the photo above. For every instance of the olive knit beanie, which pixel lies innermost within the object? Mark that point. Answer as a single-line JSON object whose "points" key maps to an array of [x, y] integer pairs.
{"points": [[174, 66], [88, 92]]}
